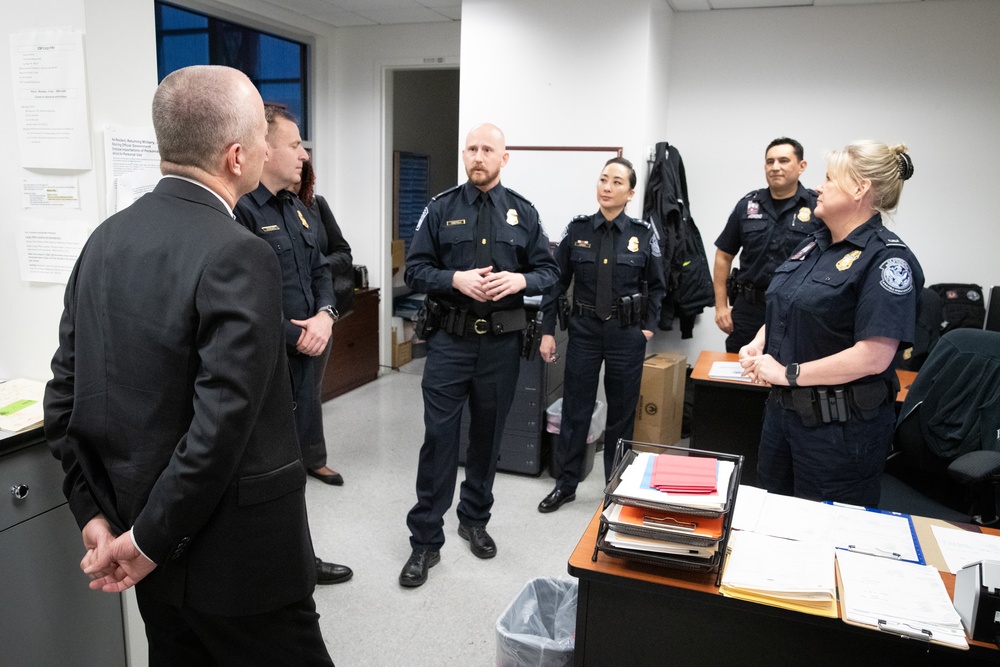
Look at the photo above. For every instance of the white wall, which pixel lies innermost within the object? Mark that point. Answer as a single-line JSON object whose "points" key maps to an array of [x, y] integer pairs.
{"points": [[359, 115], [924, 73], [119, 91]]}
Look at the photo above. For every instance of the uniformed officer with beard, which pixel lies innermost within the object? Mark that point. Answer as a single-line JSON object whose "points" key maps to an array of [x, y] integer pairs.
{"points": [[478, 249]]}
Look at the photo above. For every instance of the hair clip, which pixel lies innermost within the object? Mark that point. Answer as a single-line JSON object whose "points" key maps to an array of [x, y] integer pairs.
{"points": [[905, 166]]}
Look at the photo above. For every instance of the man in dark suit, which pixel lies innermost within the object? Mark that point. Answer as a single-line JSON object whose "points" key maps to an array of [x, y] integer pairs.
{"points": [[170, 406]]}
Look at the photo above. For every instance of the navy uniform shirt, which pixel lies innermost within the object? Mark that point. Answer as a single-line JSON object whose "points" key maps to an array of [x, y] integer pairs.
{"points": [[828, 296], [305, 273], [637, 260], [444, 242], [767, 236]]}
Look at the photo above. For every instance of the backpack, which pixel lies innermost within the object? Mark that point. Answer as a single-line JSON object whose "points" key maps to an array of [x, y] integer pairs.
{"points": [[962, 306]]}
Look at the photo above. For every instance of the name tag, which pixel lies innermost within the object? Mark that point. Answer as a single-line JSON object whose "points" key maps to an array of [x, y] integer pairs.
{"points": [[270, 228], [581, 243], [452, 223]]}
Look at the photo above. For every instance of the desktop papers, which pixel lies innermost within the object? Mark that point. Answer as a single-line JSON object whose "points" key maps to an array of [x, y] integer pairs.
{"points": [[961, 547], [781, 573], [21, 404], [848, 527], [635, 484], [901, 598], [727, 370]]}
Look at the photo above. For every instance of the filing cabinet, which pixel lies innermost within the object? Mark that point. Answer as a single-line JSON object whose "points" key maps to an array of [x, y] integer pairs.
{"points": [[49, 614]]}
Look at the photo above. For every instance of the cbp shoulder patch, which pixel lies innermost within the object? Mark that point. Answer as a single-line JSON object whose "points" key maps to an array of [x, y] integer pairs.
{"points": [[897, 277], [423, 216]]}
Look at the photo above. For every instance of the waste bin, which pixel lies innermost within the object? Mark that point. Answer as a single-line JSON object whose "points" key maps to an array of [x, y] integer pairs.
{"points": [[553, 419], [538, 628]]}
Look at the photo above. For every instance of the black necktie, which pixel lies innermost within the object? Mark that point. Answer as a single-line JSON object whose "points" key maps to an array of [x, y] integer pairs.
{"points": [[484, 233], [605, 262]]}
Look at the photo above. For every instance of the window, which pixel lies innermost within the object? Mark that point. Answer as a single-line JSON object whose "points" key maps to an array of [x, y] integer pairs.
{"points": [[277, 66]]}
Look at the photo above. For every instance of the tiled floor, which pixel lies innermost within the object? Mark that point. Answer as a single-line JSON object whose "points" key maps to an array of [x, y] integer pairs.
{"points": [[373, 436]]}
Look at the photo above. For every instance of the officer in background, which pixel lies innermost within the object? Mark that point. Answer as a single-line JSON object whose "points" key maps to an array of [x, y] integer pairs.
{"points": [[613, 263], [277, 216], [477, 250], [767, 224]]}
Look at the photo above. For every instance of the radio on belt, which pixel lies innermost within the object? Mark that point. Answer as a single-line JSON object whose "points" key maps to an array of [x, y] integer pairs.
{"points": [[977, 600]]}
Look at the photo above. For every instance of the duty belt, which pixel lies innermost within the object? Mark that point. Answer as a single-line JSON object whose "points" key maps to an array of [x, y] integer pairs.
{"points": [[839, 403], [749, 292], [463, 322], [589, 311]]}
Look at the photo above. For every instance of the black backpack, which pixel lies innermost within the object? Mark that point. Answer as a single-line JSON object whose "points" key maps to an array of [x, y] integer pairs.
{"points": [[962, 306], [940, 309]]}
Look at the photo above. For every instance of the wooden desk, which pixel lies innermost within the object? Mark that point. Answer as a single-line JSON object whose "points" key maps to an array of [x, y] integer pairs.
{"points": [[634, 614], [354, 355], [727, 415]]}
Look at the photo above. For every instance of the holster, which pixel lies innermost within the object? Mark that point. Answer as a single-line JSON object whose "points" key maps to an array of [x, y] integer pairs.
{"points": [[731, 287], [428, 318], [563, 309], [532, 337]]}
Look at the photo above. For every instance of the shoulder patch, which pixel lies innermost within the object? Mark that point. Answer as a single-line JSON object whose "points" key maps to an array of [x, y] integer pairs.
{"points": [[423, 216], [897, 277]]}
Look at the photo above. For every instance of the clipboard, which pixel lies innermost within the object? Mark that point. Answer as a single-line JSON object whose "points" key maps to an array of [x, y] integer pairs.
{"points": [[859, 547], [904, 630]]}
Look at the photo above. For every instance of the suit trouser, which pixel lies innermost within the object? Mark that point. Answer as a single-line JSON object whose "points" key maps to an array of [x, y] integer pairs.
{"points": [[840, 461], [287, 636], [621, 350], [747, 321], [483, 370], [308, 410]]}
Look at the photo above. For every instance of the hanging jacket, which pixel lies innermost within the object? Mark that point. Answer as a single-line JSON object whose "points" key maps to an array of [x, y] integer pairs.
{"points": [[689, 280]]}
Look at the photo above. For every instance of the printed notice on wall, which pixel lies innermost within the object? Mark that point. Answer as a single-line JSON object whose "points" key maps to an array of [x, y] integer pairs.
{"points": [[132, 162], [50, 99], [50, 191], [47, 251]]}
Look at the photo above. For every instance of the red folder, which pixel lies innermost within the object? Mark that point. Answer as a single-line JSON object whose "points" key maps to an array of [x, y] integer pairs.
{"points": [[684, 474]]}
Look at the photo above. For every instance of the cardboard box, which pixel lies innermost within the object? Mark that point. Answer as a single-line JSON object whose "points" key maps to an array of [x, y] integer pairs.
{"points": [[660, 409], [402, 351], [398, 254]]}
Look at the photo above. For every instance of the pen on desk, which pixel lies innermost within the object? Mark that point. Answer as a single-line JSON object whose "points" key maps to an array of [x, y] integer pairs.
{"points": [[884, 553]]}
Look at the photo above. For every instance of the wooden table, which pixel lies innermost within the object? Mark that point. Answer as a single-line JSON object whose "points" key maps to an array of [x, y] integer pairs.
{"points": [[727, 415], [634, 614]]}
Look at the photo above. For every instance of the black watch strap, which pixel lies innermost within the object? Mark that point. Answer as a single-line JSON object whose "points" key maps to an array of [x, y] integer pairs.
{"points": [[792, 374]]}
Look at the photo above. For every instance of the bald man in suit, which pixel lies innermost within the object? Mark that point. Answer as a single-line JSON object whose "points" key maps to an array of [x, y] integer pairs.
{"points": [[170, 406]]}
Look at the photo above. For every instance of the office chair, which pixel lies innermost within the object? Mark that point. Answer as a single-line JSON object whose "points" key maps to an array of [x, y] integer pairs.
{"points": [[947, 439]]}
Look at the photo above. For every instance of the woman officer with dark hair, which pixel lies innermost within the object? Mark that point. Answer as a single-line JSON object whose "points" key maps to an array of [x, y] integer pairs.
{"points": [[613, 263]]}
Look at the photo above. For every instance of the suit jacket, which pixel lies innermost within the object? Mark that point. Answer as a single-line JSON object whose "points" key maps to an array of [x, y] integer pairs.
{"points": [[170, 406]]}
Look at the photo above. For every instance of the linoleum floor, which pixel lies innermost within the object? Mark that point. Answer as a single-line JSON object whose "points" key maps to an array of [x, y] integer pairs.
{"points": [[373, 437]]}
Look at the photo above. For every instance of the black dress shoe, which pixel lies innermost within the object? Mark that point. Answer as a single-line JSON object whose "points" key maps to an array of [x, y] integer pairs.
{"points": [[480, 542], [555, 500], [331, 573], [415, 571], [334, 479]]}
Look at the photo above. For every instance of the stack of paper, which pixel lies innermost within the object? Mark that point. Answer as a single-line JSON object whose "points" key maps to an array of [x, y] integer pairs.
{"points": [[644, 530], [898, 597], [21, 404], [727, 370], [684, 474], [636, 484], [781, 573]]}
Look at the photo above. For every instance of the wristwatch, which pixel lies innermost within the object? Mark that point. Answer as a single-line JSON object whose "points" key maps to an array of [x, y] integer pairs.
{"points": [[792, 374], [331, 311]]}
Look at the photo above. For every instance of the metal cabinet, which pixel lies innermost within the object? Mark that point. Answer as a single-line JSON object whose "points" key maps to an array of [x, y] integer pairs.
{"points": [[48, 614]]}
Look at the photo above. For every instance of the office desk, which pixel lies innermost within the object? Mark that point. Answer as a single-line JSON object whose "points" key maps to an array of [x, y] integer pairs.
{"points": [[634, 614], [727, 415]]}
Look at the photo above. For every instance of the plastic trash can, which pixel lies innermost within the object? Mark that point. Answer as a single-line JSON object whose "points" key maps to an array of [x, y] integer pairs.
{"points": [[553, 419], [538, 629]]}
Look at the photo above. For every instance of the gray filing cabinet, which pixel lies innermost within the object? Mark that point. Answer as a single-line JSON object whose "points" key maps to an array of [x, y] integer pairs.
{"points": [[48, 615]]}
